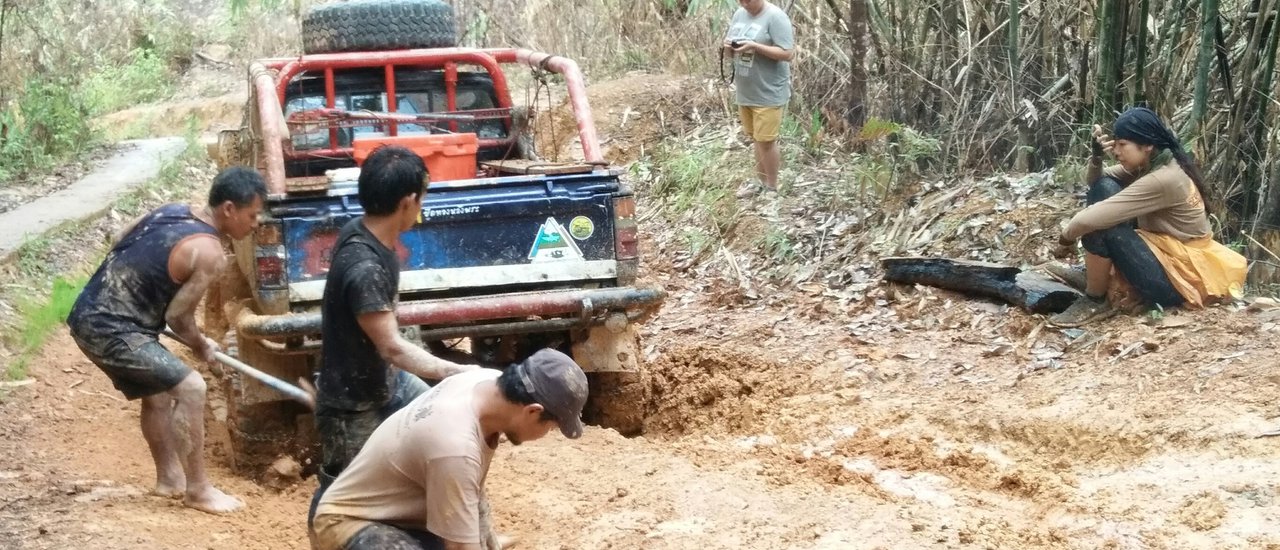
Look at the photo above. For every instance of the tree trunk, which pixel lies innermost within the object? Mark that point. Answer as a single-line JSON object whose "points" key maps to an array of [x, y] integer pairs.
{"points": [[1109, 37], [1269, 214], [1204, 61], [859, 47], [1140, 74], [1168, 39]]}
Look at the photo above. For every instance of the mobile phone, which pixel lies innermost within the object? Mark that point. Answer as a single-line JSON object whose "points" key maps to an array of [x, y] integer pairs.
{"points": [[735, 43]]}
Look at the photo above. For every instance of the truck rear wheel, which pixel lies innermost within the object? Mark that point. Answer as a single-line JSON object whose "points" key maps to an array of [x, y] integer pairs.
{"points": [[371, 25], [262, 428]]}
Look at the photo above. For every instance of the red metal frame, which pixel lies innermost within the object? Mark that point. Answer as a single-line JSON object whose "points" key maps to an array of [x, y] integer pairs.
{"points": [[275, 134]]}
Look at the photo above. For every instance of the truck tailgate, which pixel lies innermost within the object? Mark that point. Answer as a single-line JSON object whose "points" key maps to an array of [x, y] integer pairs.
{"points": [[478, 233]]}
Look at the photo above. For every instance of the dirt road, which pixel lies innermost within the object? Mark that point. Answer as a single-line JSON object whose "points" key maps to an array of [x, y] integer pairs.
{"points": [[792, 417], [771, 427]]}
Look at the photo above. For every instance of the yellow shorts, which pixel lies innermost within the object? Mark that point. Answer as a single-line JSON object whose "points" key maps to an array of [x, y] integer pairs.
{"points": [[761, 123]]}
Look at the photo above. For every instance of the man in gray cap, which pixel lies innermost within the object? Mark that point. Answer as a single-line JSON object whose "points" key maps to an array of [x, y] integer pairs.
{"points": [[419, 480]]}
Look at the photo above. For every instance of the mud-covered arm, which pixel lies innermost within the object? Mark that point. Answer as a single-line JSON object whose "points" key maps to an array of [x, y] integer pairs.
{"points": [[198, 263], [371, 293], [384, 332]]}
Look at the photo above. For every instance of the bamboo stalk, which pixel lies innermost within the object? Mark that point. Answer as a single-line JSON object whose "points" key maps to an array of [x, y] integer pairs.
{"points": [[1204, 59], [1140, 70]]}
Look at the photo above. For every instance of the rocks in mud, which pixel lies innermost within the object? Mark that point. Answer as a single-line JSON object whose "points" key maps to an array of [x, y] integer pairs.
{"points": [[283, 473], [94, 490], [1202, 511]]}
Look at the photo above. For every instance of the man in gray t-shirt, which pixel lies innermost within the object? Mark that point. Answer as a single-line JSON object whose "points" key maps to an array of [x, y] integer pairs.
{"points": [[761, 39]]}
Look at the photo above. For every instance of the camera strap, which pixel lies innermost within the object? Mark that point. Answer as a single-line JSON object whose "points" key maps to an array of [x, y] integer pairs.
{"points": [[732, 69]]}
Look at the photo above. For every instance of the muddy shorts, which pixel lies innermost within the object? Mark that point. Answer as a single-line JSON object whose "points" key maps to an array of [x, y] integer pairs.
{"points": [[343, 432], [137, 364], [380, 536], [347, 533]]}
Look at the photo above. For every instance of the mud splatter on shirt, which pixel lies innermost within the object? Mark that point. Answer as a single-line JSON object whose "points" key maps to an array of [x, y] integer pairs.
{"points": [[363, 278], [128, 295]]}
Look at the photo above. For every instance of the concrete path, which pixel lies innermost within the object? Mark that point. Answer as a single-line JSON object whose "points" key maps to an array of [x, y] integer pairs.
{"points": [[140, 161]]}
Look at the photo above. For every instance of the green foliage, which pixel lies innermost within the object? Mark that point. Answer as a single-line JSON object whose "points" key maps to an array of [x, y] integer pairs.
{"points": [[875, 129], [913, 147], [697, 239], [476, 30], [39, 319], [699, 181], [776, 243], [632, 59], [808, 131], [48, 125], [146, 77], [1068, 171]]}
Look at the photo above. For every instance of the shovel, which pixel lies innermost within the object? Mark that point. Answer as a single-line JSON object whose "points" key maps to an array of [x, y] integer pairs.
{"points": [[294, 392]]}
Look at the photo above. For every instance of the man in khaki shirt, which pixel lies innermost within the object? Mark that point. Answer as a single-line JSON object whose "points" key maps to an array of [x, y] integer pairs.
{"points": [[419, 480]]}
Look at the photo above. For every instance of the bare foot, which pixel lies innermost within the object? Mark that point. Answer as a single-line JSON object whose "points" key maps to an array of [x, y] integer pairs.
{"points": [[171, 481], [507, 541], [213, 501], [171, 490]]}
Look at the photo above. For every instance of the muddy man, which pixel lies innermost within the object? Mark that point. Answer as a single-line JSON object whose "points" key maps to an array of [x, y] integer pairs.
{"points": [[155, 274]]}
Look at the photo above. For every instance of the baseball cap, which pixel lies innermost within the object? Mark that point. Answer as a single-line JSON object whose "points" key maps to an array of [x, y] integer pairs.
{"points": [[559, 385]]}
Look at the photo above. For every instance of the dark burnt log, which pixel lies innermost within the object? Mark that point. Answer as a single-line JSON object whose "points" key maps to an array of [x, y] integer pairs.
{"points": [[1031, 291]]}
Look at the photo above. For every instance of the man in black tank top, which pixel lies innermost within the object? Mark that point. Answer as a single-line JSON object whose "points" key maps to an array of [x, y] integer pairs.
{"points": [[155, 274], [368, 370]]}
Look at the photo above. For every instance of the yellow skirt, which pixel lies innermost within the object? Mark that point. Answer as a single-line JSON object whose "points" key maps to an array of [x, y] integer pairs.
{"points": [[1202, 270]]}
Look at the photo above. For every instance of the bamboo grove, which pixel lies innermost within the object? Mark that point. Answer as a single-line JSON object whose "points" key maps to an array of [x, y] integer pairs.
{"points": [[1018, 84]]}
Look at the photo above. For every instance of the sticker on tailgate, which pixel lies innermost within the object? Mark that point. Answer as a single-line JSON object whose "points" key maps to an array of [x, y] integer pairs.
{"points": [[582, 228], [552, 244]]}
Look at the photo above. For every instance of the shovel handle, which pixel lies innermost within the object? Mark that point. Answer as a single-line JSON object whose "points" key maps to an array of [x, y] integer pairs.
{"points": [[294, 392]]}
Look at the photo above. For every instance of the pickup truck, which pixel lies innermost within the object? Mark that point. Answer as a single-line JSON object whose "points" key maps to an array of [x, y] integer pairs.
{"points": [[512, 253]]}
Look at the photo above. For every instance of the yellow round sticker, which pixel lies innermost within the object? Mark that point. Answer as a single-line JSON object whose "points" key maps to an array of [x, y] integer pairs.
{"points": [[582, 228]]}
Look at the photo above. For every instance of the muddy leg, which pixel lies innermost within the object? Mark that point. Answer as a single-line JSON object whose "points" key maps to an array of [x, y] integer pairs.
{"points": [[189, 427], [157, 429]]}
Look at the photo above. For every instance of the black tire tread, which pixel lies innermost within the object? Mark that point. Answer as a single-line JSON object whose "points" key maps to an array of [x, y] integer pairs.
{"points": [[374, 25]]}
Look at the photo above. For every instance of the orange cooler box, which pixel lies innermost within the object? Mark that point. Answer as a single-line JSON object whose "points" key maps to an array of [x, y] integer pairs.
{"points": [[447, 156]]}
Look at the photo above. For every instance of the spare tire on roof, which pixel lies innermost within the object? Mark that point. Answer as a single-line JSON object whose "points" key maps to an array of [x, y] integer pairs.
{"points": [[370, 25]]}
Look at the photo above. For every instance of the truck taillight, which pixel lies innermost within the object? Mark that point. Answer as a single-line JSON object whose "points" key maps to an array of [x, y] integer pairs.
{"points": [[624, 207], [268, 234], [271, 270], [625, 230]]}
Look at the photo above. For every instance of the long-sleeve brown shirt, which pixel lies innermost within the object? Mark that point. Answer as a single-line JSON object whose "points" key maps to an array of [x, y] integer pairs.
{"points": [[1164, 200]]}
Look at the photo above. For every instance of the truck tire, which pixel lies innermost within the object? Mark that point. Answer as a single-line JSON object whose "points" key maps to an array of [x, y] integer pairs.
{"points": [[258, 430], [262, 431], [371, 25]]}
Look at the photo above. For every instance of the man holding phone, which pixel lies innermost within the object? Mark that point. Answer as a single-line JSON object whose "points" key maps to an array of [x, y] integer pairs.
{"points": [[761, 39]]}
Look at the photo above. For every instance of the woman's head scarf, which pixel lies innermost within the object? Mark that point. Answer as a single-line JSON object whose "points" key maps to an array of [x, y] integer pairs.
{"points": [[1141, 125]]}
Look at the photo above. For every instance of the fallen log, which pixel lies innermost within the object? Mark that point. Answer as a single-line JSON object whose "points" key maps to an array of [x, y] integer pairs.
{"points": [[1031, 291]]}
